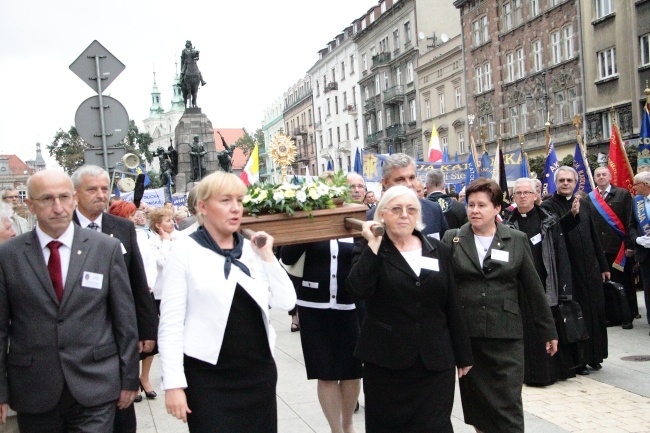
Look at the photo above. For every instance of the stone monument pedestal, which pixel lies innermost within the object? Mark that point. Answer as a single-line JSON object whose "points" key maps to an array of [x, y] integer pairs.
{"points": [[194, 122]]}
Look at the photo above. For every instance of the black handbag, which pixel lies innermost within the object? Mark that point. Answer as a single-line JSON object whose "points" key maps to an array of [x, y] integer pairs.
{"points": [[572, 323]]}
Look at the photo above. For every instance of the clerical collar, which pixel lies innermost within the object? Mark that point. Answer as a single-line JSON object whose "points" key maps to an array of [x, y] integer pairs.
{"points": [[523, 215]]}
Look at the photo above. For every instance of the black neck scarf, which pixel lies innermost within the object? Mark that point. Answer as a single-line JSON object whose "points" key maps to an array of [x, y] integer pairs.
{"points": [[203, 238]]}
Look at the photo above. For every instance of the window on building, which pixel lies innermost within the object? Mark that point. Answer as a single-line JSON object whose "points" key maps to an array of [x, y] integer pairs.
{"points": [[330, 141], [351, 64], [507, 16], [345, 101], [573, 102], [389, 117], [401, 114], [398, 75], [441, 100], [380, 121], [336, 105], [491, 127], [561, 113], [328, 113], [338, 134], [523, 113], [521, 67], [460, 135], [644, 47], [604, 7], [409, 72], [459, 97], [396, 39], [510, 67], [556, 47], [356, 128], [538, 64], [484, 28], [534, 7], [480, 31], [606, 118], [427, 109], [369, 126], [568, 42], [444, 140], [476, 33], [412, 110], [334, 75], [478, 78], [342, 70], [364, 62], [366, 93], [407, 32], [386, 81], [317, 89], [514, 121], [377, 85], [487, 76], [607, 63]]}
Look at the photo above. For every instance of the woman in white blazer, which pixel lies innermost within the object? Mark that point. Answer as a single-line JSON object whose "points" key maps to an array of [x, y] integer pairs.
{"points": [[215, 338]]}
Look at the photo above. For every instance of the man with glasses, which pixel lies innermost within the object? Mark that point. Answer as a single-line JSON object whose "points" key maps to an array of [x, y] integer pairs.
{"points": [[589, 267], [639, 230], [69, 356], [19, 223], [551, 261], [612, 209], [357, 187]]}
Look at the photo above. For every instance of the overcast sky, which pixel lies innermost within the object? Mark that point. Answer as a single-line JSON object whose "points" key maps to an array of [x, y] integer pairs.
{"points": [[251, 52]]}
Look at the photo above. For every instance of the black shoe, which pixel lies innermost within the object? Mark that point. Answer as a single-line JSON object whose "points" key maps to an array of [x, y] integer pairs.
{"points": [[150, 394], [138, 399], [582, 371], [627, 325], [356, 408], [295, 327], [596, 366], [637, 316]]}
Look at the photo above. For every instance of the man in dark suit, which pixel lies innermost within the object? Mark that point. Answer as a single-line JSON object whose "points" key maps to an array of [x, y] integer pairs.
{"points": [[399, 169], [68, 338], [92, 188], [619, 201], [454, 211], [639, 230]]}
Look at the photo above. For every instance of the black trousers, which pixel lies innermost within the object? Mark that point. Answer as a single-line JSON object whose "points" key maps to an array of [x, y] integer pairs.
{"points": [[125, 421], [69, 416], [625, 278]]}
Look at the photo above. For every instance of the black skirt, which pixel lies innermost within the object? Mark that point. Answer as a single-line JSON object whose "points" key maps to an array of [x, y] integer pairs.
{"points": [[328, 340], [415, 400], [238, 393]]}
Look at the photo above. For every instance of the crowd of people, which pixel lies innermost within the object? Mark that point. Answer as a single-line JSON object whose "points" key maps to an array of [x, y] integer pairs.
{"points": [[447, 294]]}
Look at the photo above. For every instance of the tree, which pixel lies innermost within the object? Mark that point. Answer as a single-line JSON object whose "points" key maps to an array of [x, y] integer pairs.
{"points": [[536, 164], [246, 143], [138, 143], [67, 148]]}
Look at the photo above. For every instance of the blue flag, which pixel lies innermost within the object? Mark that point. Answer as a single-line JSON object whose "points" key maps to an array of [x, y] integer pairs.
{"points": [[456, 157], [582, 168], [472, 171], [548, 180], [358, 162], [330, 167], [525, 168], [445, 155], [140, 170], [644, 139], [486, 166]]}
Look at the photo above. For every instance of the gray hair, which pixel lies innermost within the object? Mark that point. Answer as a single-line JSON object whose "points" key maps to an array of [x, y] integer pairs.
{"points": [[527, 180], [565, 168], [6, 210], [399, 160], [6, 190], [87, 170], [643, 176], [435, 180], [394, 192]]}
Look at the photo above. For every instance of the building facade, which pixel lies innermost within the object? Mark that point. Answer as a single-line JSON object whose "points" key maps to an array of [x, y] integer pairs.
{"points": [[273, 124], [336, 103], [616, 40], [299, 125]]}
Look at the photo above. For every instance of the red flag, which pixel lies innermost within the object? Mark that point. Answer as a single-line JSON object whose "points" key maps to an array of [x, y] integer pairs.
{"points": [[618, 164]]}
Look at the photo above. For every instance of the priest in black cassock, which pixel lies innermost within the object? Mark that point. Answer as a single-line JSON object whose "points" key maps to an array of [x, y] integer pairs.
{"points": [[552, 265], [588, 264]]}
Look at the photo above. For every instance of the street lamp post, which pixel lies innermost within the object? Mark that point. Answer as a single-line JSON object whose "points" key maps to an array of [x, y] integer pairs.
{"points": [[541, 83]]}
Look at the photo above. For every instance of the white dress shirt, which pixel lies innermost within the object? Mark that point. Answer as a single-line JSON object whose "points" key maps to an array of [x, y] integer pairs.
{"points": [[83, 221]]}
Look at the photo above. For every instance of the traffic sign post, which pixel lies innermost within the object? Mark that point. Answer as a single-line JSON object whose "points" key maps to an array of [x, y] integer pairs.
{"points": [[99, 75]]}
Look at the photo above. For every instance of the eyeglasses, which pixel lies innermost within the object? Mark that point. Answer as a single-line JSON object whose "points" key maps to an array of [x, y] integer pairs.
{"points": [[639, 183], [398, 210], [524, 193], [9, 197], [566, 180], [48, 200], [352, 186]]}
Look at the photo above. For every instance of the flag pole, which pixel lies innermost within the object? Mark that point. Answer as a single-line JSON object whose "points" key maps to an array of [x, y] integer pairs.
{"points": [[547, 126], [577, 120]]}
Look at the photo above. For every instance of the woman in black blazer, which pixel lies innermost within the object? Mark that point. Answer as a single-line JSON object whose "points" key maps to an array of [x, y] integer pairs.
{"points": [[490, 260], [414, 334]]}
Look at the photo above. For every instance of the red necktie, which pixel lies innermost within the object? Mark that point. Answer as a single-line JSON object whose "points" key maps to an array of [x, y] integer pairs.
{"points": [[54, 267]]}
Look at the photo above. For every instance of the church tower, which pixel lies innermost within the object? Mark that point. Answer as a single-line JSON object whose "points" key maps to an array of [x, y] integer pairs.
{"points": [[156, 110]]}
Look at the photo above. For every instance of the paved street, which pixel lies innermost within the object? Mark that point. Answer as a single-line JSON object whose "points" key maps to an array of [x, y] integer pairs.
{"points": [[614, 399]]}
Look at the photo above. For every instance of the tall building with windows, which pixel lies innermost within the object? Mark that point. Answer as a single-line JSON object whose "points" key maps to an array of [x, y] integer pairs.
{"points": [[441, 83], [386, 38], [299, 125], [616, 40], [523, 67], [272, 125], [337, 132]]}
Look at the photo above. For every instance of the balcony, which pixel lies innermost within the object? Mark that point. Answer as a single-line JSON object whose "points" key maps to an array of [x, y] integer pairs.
{"points": [[318, 126], [332, 85], [394, 95], [380, 59], [373, 138], [352, 109], [326, 152], [300, 130], [397, 130], [345, 146], [369, 106]]}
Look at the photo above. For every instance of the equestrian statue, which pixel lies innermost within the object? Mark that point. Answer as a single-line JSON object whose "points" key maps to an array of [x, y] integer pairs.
{"points": [[190, 74]]}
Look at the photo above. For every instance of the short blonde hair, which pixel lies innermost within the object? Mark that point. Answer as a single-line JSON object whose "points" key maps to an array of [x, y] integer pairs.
{"points": [[218, 183], [398, 191], [157, 215]]}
